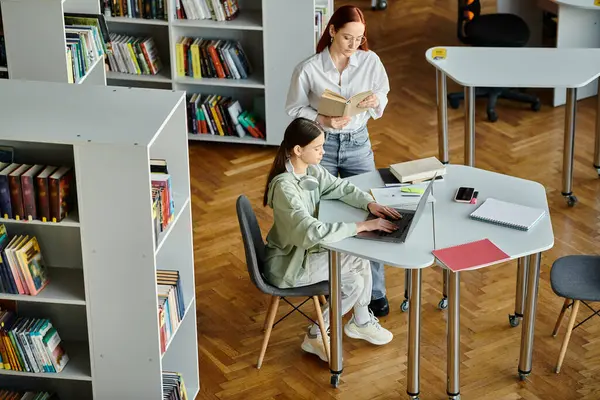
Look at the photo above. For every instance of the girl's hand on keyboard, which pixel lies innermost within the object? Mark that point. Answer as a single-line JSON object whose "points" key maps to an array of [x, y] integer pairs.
{"points": [[383, 211], [378, 224]]}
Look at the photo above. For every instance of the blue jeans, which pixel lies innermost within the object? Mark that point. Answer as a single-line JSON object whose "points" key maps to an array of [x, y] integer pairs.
{"points": [[348, 154]]}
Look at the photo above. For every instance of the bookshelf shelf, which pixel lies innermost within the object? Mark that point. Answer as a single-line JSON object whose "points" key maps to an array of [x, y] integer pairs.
{"points": [[227, 139], [104, 299], [77, 369], [248, 20], [251, 82], [140, 21], [162, 76], [65, 287], [3, 69], [71, 220]]}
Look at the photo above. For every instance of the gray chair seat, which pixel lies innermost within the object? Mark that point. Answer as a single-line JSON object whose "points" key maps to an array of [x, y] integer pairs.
{"points": [[576, 277], [317, 289]]}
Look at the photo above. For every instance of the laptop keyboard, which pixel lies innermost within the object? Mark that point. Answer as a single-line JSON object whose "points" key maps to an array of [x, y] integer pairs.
{"points": [[402, 224]]}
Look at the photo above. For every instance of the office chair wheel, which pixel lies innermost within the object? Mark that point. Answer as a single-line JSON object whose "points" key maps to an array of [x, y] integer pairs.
{"points": [[443, 304], [513, 320], [537, 106], [492, 115], [404, 306], [454, 397], [522, 376], [381, 5], [454, 103], [571, 200], [335, 380]]}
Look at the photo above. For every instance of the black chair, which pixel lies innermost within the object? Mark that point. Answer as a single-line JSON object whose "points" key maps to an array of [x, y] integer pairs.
{"points": [[577, 279], [491, 30], [255, 255]]}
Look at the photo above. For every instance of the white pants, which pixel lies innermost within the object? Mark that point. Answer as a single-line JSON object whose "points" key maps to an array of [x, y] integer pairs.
{"points": [[356, 280]]}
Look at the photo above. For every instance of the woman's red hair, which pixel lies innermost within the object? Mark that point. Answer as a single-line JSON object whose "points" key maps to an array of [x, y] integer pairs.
{"points": [[341, 17]]}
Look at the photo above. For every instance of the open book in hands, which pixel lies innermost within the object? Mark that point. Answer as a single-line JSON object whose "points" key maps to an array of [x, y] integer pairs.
{"points": [[335, 105]]}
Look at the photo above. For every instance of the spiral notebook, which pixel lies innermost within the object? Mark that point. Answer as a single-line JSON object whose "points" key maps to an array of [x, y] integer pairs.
{"points": [[473, 255], [507, 214]]}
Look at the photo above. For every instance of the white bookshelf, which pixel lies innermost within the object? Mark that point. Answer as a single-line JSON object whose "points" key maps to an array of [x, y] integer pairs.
{"points": [[34, 33], [274, 42], [102, 296]]}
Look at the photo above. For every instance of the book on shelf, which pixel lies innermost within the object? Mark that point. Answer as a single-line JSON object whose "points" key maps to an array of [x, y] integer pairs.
{"points": [[171, 307], [211, 58], [220, 115], [7, 394], [30, 344], [22, 267], [36, 192], [321, 14], [142, 9], [173, 386], [216, 10], [134, 55], [163, 204], [86, 43], [335, 105]]}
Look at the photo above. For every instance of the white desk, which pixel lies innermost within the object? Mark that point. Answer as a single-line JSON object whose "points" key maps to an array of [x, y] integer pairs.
{"points": [[453, 226], [578, 27], [516, 67], [413, 255]]}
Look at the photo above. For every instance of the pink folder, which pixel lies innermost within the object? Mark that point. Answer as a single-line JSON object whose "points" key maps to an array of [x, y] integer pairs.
{"points": [[473, 255]]}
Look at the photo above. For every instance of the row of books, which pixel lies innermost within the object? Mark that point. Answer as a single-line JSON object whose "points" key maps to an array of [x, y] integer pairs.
{"points": [[171, 308], [210, 58], [42, 192], [321, 14], [6, 394], [2, 45], [30, 344], [22, 267], [217, 10], [133, 55], [86, 39], [146, 9], [173, 386], [219, 115], [163, 204]]}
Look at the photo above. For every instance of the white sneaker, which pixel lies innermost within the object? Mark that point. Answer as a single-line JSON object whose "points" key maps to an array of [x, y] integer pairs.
{"points": [[372, 332], [314, 345]]}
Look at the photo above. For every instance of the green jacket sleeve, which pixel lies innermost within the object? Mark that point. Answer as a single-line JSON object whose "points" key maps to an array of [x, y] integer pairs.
{"points": [[302, 229], [334, 188]]}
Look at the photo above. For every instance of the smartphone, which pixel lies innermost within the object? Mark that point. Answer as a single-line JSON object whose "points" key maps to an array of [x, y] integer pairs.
{"points": [[464, 194]]}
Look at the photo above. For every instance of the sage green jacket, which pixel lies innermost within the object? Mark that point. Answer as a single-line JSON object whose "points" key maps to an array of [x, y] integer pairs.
{"points": [[296, 231]]}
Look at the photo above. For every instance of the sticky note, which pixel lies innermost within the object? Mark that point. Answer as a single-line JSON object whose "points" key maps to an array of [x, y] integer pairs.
{"points": [[439, 53], [412, 190]]}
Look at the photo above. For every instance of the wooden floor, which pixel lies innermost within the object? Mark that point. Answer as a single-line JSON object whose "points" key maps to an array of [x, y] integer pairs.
{"points": [[522, 143]]}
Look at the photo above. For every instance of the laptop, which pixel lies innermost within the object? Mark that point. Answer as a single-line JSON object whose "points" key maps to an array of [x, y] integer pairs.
{"points": [[405, 225]]}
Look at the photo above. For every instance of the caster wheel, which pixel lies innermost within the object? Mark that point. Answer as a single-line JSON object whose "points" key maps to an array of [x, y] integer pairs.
{"points": [[571, 200], [536, 106], [453, 103], [381, 5], [522, 376], [335, 380], [513, 320], [492, 116], [443, 304], [404, 306], [457, 397]]}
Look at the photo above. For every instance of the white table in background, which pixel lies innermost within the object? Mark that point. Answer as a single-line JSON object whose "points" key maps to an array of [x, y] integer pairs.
{"points": [[413, 255], [520, 67], [578, 27], [453, 227]]}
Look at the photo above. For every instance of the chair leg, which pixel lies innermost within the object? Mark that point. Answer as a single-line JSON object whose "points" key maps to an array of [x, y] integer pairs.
{"points": [[268, 314], [563, 349], [561, 316], [269, 323], [322, 326], [322, 299]]}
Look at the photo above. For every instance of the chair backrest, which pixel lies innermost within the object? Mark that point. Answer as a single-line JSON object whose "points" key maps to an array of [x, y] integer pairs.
{"points": [[467, 11], [253, 243]]}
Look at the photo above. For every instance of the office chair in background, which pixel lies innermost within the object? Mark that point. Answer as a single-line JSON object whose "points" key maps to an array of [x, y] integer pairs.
{"points": [[491, 30]]}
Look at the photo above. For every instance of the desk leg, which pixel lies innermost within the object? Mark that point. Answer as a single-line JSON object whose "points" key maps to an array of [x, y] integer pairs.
{"points": [[597, 145], [442, 114], [533, 279], [522, 266], [453, 336], [469, 126], [569, 146], [414, 333], [335, 317]]}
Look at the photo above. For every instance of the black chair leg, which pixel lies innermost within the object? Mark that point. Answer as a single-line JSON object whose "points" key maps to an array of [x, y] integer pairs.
{"points": [[491, 106], [522, 97], [454, 99]]}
